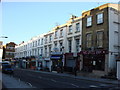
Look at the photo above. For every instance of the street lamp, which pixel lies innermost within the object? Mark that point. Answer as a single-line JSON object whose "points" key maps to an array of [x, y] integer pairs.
{"points": [[3, 37]]}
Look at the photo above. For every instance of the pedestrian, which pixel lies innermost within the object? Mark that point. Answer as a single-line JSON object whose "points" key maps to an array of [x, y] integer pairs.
{"points": [[75, 71]]}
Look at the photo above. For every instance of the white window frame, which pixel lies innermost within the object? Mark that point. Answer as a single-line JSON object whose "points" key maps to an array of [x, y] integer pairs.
{"points": [[99, 18], [77, 26], [70, 28], [89, 21]]}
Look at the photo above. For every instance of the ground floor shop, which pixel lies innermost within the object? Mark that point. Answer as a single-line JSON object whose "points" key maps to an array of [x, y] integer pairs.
{"points": [[57, 62], [96, 62], [72, 60], [47, 64]]}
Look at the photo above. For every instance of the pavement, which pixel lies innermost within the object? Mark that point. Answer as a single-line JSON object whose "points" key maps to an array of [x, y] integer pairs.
{"points": [[11, 82]]}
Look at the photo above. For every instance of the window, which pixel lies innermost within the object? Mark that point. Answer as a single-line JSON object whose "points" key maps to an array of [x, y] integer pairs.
{"points": [[99, 18], [55, 45], [78, 27], [45, 51], [61, 32], [89, 40], [49, 50], [89, 21], [70, 45], [77, 45], [70, 28], [35, 43], [50, 38], [42, 41], [46, 39], [55, 34], [39, 42], [99, 39], [61, 44], [42, 51]]}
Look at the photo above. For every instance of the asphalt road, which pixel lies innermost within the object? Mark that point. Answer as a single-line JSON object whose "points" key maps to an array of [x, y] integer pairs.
{"points": [[46, 80]]}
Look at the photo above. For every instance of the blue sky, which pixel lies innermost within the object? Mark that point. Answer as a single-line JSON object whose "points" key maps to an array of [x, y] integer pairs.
{"points": [[23, 20]]}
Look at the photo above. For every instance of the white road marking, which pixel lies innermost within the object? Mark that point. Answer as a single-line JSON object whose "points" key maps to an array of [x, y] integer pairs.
{"points": [[29, 84], [93, 86], [74, 85], [19, 79], [53, 80], [39, 77]]}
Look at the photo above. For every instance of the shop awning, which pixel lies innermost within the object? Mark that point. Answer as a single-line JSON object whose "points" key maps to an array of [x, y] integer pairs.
{"points": [[56, 57]]}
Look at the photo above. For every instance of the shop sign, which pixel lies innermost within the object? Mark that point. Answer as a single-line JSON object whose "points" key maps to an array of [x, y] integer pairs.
{"points": [[56, 53], [93, 52]]}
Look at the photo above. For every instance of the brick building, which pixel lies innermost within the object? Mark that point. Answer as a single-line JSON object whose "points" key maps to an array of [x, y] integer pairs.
{"points": [[8, 51]]}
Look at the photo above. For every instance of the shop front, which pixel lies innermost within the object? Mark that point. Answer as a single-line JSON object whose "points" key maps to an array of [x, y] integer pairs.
{"points": [[69, 62], [32, 62], [56, 62], [47, 64], [72, 60], [94, 60]]}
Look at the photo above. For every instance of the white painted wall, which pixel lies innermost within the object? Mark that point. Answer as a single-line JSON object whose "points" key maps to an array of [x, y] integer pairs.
{"points": [[113, 39], [1, 53]]}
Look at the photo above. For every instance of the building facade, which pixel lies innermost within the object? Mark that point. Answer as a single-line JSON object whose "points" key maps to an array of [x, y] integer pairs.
{"points": [[100, 44], [1, 50], [50, 49], [90, 42], [8, 51]]}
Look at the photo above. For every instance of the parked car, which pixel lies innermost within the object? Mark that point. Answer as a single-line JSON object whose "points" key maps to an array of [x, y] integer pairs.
{"points": [[7, 68]]}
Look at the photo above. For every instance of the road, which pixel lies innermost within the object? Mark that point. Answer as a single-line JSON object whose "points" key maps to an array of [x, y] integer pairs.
{"points": [[45, 80]]}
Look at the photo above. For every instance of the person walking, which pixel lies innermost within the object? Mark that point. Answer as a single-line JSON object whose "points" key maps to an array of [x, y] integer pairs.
{"points": [[75, 71]]}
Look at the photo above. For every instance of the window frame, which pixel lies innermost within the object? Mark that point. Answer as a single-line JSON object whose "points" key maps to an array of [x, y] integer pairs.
{"points": [[100, 19], [100, 40], [87, 22]]}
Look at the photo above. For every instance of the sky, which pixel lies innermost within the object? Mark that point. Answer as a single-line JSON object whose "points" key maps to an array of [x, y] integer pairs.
{"points": [[23, 20]]}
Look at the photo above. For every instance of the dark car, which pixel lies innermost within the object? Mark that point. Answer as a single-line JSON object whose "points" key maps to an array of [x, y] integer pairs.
{"points": [[7, 68]]}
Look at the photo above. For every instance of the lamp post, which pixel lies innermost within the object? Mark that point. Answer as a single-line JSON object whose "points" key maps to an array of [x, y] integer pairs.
{"points": [[1, 48], [3, 37]]}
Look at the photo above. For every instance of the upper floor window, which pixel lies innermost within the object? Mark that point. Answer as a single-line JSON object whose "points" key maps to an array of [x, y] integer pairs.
{"points": [[78, 27], [35, 43], [46, 39], [89, 21], [39, 42], [77, 45], [70, 28], [89, 40], [42, 41], [50, 38], [99, 39], [55, 34], [61, 45], [61, 32], [70, 45], [99, 18]]}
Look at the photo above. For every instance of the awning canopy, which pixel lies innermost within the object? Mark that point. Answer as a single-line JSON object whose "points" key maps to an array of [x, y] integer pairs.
{"points": [[56, 57]]}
